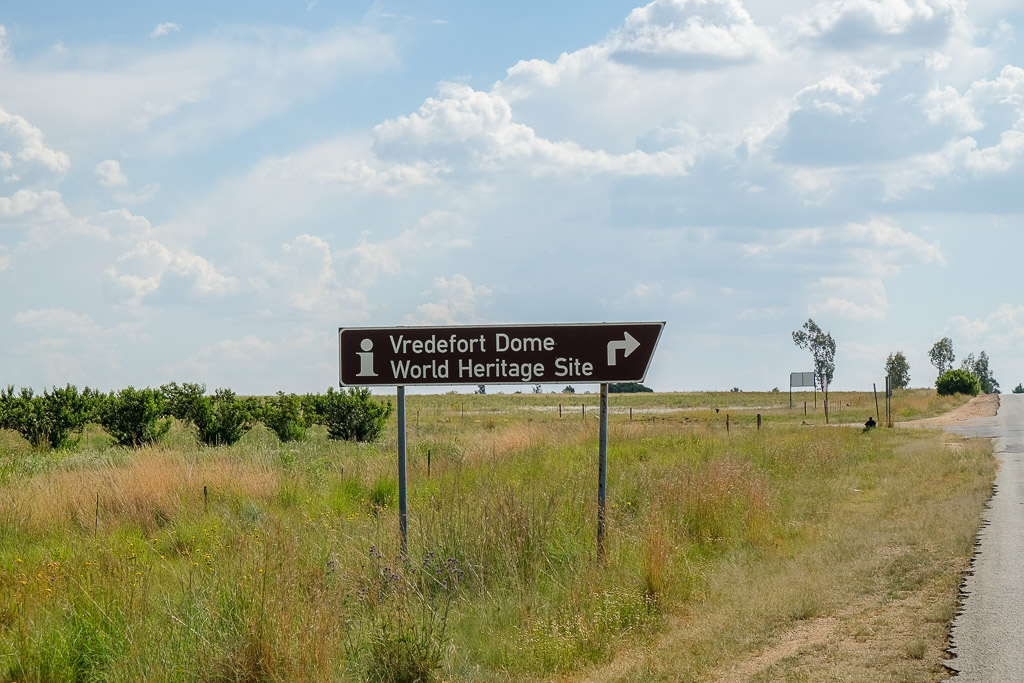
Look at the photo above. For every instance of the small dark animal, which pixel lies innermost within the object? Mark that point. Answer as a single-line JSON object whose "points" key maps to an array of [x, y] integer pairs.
{"points": [[870, 424]]}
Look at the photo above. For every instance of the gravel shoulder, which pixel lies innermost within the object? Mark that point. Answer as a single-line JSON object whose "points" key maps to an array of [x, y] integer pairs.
{"points": [[984, 405]]}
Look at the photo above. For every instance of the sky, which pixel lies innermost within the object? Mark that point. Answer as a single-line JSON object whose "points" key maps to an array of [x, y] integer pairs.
{"points": [[205, 192]]}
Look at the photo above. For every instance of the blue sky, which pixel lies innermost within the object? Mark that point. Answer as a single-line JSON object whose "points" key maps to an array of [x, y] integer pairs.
{"points": [[206, 192]]}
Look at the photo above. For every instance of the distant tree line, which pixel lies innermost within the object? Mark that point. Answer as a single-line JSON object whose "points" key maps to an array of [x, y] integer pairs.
{"points": [[628, 388], [139, 417], [974, 375]]}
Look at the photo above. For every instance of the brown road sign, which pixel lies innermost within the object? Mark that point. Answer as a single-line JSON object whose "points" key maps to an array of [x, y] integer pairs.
{"points": [[497, 354]]}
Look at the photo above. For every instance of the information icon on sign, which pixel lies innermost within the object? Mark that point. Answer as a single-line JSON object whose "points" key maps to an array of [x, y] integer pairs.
{"points": [[366, 359]]}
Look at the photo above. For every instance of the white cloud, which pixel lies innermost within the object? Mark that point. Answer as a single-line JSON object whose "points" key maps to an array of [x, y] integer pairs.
{"points": [[144, 269], [109, 174], [840, 93], [850, 297], [163, 29], [144, 194], [860, 23], [887, 242], [23, 142], [436, 232], [689, 33], [455, 301], [855, 260], [28, 207], [475, 130], [308, 189], [49, 224], [123, 226], [945, 105], [1001, 330], [40, 220]]}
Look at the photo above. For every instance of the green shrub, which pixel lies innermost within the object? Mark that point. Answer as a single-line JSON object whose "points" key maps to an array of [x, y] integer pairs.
{"points": [[958, 382], [284, 414], [133, 416], [222, 419], [352, 415], [49, 420], [183, 402]]}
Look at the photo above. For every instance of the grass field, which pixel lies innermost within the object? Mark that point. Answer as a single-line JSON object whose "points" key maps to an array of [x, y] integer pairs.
{"points": [[794, 551]]}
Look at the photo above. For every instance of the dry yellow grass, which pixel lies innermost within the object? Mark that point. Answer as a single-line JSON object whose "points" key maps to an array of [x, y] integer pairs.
{"points": [[147, 488]]}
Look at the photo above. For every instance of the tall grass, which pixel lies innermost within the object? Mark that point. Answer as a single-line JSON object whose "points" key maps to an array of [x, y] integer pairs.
{"points": [[270, 561]]}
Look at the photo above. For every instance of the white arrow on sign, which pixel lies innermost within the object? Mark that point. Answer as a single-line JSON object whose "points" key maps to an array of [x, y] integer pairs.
{"points": [[629, 345]]}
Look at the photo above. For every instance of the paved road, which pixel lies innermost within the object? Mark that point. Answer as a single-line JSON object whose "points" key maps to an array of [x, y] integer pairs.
{"points": [[988, 638]]}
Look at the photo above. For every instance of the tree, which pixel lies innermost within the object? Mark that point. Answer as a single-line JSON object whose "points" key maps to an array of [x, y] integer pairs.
{"points": [[979, 368], [569, 390], [481, 389], [941, 354], [1019, 389], [134, 417], [897, 369], [823, 351]]}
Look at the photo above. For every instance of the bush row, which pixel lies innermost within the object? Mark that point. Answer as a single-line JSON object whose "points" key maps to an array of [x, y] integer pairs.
{"points": [[137, 417]]}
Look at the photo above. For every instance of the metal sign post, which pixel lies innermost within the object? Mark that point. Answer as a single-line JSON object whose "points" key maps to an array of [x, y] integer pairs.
{"points": [[602, 470], [402, 508], [498, 354]]}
